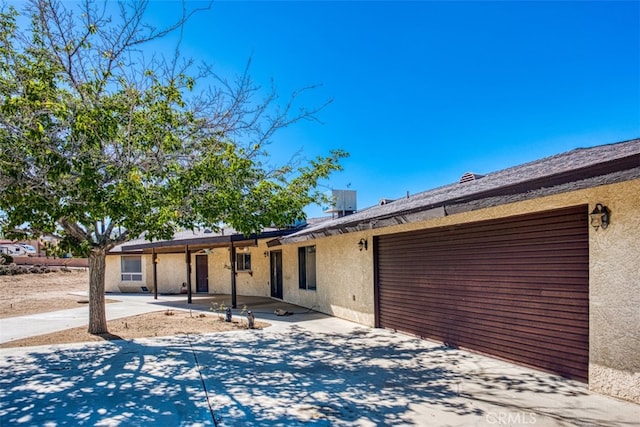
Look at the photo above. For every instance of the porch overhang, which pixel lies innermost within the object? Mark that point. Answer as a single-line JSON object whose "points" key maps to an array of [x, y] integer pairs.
{"points": [[191, 245], [201, 243]]}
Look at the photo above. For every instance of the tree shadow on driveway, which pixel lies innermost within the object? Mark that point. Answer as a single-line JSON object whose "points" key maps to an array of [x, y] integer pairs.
{"points": [[374, 377], [142, 382], [288, 377]]}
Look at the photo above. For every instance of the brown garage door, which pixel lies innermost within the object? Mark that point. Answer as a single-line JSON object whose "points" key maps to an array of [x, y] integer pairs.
{"points": [[516, 288]]}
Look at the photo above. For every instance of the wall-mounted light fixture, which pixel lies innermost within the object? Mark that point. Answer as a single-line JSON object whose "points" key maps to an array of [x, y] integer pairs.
{"points": [[156, 260], [363, 245], [600, 216]]}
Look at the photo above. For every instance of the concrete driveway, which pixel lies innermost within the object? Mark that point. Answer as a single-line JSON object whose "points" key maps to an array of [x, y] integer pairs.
{"points": [[307, 369]]}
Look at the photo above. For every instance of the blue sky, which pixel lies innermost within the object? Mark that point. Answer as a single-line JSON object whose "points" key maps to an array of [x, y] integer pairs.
{"points": [[425, 91]]}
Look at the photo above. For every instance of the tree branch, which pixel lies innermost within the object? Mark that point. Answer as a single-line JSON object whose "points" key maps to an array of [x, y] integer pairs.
{"points": [[74, 230]]}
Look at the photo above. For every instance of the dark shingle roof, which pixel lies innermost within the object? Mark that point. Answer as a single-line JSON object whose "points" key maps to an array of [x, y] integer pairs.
{"points": [[569, 171]]}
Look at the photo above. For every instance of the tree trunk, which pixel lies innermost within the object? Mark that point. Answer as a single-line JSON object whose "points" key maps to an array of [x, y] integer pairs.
{"points": [[97, 310]]}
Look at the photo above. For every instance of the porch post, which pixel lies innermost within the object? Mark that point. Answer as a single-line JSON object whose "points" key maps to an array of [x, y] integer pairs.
{"points": [[187, 254], [232, 252], [155, 273]]}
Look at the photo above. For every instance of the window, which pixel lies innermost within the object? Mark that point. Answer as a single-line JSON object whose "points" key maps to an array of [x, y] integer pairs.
{"points": [[131, 268], [243, 262], [307, 267]]}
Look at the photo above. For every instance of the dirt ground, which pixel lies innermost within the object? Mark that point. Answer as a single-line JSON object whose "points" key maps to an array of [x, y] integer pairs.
{"points": [[25, 294], [38, 293]]}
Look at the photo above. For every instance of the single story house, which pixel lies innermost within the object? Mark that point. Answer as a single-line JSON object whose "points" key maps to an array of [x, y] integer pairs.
{"points": [[538, 264]]}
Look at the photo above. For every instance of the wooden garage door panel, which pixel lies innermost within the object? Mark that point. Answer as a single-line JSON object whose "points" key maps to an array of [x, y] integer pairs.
{"points": [[498, 340], [516, 288], [524, 311]]}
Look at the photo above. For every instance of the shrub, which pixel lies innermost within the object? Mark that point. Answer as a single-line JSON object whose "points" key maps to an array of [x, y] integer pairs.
{"points": [[5, 259], [13, 269]]}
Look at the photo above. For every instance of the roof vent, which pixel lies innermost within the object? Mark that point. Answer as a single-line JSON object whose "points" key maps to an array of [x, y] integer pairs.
{"points": [[468, 177], [385, 201]]}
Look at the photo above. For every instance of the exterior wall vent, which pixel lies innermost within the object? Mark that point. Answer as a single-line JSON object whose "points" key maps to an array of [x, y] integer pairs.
{"points": [[468, 177]]}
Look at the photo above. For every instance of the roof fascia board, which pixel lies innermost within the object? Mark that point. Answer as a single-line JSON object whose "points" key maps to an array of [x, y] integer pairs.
{"points": [[128, 252]]}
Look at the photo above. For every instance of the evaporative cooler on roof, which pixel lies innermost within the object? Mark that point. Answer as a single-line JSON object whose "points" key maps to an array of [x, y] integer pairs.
{"points": [[343, 202]]}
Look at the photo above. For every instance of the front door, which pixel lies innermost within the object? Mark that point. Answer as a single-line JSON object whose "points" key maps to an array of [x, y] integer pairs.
{"points": [[202, 274], [276, 274]]}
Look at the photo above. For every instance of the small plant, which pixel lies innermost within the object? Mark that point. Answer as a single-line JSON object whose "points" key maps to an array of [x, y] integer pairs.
{"points": [[251, 320], [169, 313], [219, 309], [243, 312]]}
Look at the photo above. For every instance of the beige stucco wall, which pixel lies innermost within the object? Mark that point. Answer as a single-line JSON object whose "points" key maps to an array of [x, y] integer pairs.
{"points": [[614, 296], [171, 273], [219, 275], [112, 282], [255, 283], [258, 282], [344, 278], [112, 273]]}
